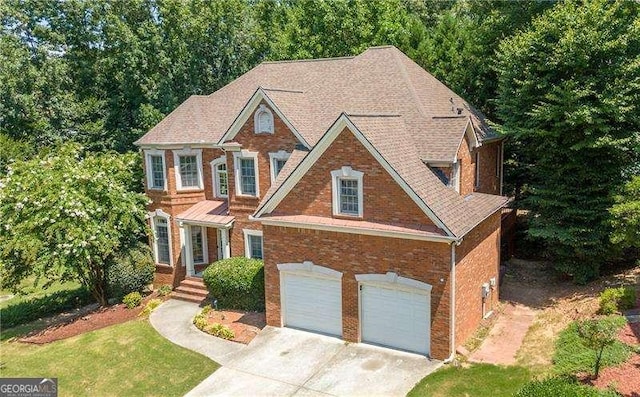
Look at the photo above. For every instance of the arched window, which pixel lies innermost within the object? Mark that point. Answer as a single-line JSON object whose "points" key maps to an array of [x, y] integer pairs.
{"points": [[263, 120]]}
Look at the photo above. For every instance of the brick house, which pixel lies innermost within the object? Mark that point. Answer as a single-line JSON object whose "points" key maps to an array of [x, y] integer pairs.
{"points": [[370, 189]]}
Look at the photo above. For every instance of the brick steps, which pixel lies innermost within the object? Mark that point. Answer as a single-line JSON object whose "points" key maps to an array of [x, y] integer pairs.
{"points": [[191, 289]]}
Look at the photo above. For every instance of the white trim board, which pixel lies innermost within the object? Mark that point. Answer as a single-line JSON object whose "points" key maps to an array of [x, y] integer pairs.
{"points": [[338, 126]]}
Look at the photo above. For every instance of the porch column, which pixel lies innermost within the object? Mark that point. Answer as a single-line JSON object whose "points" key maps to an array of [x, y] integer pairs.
{"points": [[188, 251], [226, 248]]}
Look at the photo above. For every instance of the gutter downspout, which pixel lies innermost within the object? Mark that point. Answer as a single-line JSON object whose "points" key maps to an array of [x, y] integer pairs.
{"points": [[452, 304]]}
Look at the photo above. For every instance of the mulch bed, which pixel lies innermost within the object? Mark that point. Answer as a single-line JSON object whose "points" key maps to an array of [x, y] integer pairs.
{"points": [[245, 325], [91, 318]]}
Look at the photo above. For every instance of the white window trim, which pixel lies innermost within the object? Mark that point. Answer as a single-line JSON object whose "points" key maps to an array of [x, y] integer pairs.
{"points": [[247, 248], [256, 120], [176, 165], [152, 215], [214, 175], [477, 161], [237, 156], [346, 172], [273, 156], [205, 247], [154, 152]]}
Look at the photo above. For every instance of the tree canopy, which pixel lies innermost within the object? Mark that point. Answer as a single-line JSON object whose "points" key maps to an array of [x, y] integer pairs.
{"points": [[569, 96]]}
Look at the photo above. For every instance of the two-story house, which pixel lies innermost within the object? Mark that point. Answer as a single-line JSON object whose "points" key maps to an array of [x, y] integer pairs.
{"points": [[370, 189]]}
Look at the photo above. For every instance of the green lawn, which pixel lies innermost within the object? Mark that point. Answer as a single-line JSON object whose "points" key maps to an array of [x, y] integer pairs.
{"points": [[477, 380], [27, 291], [129, 359]]}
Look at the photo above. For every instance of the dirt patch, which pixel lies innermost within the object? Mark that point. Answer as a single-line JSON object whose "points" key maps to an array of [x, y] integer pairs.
{"points": [[245, 325], [87, 319], [630, 334]]}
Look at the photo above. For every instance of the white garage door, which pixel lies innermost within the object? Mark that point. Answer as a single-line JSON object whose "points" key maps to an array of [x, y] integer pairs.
{"points": [[394, 317], [312, 303]]}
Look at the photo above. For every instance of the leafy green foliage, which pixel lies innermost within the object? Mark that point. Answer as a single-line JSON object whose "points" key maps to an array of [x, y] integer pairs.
{"points": [[69, 215], [132, 299], [11, 150], [35, 307], [150, 306], [614, 300], [626, 215], [579, 345], [568, 95], [237, 283], [564, 385], [220, 330], [131, 271], [164, 290]]}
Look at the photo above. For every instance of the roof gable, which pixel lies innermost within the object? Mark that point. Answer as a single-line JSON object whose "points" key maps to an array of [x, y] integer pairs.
{"points": [[271, 203]]}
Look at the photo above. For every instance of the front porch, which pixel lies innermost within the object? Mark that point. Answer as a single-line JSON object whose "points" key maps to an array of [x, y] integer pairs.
{"points": [[204, 235]]}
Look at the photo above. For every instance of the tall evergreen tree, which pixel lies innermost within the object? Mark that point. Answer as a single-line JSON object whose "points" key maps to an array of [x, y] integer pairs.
{"points": [[569, 95]]}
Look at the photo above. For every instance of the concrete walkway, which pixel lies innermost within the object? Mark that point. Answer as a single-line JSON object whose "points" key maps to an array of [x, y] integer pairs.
{"points": [[506, 336], [287, 362]]}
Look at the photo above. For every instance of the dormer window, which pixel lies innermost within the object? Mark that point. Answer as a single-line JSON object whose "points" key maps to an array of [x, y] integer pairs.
{"points": [[347, 191], [263, 120]]}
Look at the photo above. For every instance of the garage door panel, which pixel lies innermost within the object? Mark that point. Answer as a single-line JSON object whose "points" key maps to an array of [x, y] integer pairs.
{"points": [[312, 303], [396, 318]]}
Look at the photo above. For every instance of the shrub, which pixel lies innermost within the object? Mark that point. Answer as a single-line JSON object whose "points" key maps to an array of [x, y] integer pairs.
{"points": [[614, 300], [237, 283], [151, 306], [164, 290], [564, 385], [220, 330], [132, 299], [32, 309], [130, 272]]}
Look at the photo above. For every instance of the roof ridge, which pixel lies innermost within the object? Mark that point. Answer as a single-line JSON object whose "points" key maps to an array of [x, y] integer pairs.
{"points": [[307, 60], [283, 90], [373, 115]]}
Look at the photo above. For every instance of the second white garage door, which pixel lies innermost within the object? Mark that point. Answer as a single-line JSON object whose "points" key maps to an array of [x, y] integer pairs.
{"points": [[312, 303], [396, 317]]}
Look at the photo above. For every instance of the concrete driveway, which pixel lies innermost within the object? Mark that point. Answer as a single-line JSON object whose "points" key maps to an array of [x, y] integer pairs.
{"points": [[287, 362]]}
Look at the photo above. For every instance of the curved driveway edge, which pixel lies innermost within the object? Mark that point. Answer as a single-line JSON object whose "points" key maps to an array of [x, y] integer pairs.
{"points": [[174, 320], [288, 362]]}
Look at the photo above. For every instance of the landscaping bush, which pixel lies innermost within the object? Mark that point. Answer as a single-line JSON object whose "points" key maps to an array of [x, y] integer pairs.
{"points": [[151, 306], [573, 354], [132, 299], [164, 290], [219, 330], [34, 308], [615, 300], [565, 386], [131, 272], [237, 283]]}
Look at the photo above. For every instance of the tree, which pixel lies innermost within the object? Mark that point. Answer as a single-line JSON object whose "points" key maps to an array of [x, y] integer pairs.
{"points": [[69, 215], [569, 94], [597, 334], [626, 215]]}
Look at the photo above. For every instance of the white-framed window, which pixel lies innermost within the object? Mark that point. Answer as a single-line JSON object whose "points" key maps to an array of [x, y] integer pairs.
{"points": [[199, 247], [347, 191], [219, 175], [246, 173], [277, 161], [156, 166], [188, 169], [477, 175], [252, 243], [263, 120], [161, 228]]}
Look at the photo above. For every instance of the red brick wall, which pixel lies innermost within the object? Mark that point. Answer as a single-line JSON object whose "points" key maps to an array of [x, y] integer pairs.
{"points": [[384, 200], [466, 161], [489, 175], [477, 261], [353, 254]]}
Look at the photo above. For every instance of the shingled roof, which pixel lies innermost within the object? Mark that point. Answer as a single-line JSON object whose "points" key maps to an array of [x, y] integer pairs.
{"points": [[403, 111]]}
